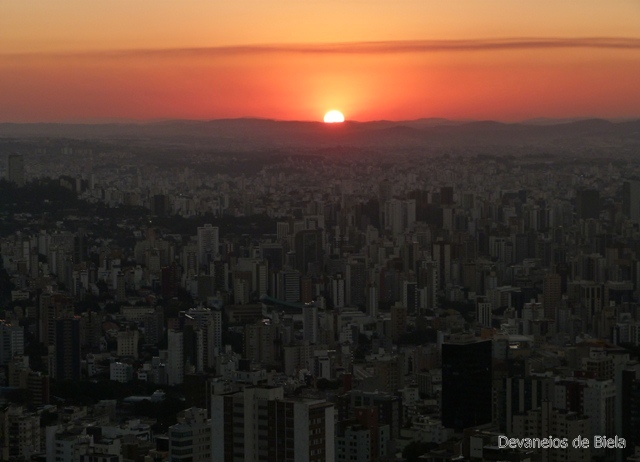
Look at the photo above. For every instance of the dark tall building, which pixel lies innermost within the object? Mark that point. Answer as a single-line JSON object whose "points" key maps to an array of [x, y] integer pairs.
{"points": [[68, 349], [309, 251], [15, 169], [274, 254], [588, 203], [446, 195], [80, 246], [160, 204], [170, 279], [630, 409], [631, 200], [552, 290], [357, 279], [466, 382]]}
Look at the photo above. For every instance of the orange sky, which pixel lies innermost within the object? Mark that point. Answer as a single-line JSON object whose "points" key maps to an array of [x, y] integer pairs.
{"points": [[295, 59]]}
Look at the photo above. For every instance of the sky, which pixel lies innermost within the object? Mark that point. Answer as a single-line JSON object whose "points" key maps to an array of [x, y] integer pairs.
{"points": [[509, 60]]}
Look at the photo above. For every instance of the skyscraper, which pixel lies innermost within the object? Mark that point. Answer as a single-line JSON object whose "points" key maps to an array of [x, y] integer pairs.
{"points": [[483, 311], [552, 294], [11, 341], [175, 361], [15, 169], [68, 349], [259, 424], [588, 203], [309, 254], [310, 324], [631, 200], [208, 243], [466, 382]]}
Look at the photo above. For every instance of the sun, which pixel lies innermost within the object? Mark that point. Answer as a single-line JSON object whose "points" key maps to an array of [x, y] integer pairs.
{"points": [[333, 117]]}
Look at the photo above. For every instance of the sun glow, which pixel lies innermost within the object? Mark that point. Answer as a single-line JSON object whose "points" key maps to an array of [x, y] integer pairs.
{"points": [[333, 117]]}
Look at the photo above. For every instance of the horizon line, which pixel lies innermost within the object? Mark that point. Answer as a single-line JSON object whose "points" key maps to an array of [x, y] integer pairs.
{"points": [[364, 47], [158, 120]]}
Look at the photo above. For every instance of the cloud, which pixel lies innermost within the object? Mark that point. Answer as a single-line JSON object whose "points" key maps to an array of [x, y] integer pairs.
{"points": [[364, 48]]}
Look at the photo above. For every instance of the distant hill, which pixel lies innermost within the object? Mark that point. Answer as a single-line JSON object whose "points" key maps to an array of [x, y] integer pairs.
{"points": [[263, 133]]}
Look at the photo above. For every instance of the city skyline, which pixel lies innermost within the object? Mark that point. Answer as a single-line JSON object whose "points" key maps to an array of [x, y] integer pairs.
{"points": [[297, 60]]}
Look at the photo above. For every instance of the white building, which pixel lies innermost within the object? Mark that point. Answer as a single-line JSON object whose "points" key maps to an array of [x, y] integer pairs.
{"points": [[190, 438]]}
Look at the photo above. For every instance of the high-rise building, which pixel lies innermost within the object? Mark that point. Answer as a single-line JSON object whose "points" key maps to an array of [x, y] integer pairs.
{"points": [[338, 291], [160, 204], [373, 298], [20, 432], [128, 343], [466, 382], [390, 373], [175, 361], [428, 278], [310, 323], [309, 252], [259, 424], [388, 408], [209, 323], [67, 349], [588, 203], [169, 280], [518, 395], [399, 215], [361, 440], [545, 421], [11, 341], [483, 311], [274, 255], [288, 286], [356, 276], [208, 244], [259, 342], [552, 294], [630, 418], [446, 195], [631, 200], [15, 169], [190, 438], [398, 326]]}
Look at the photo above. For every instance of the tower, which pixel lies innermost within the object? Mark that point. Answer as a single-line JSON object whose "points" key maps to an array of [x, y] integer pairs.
{"points": [[588, 203], [631, 200], [466, 382], [208, 243], [310, 323], [483, 311], [68, 349], [15, 169], [552, 294], [175, 361], [258, 424], [309, 255]]}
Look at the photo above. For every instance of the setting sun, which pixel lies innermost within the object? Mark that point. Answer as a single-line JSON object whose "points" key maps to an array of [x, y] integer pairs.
{"points": [[333, 117]]}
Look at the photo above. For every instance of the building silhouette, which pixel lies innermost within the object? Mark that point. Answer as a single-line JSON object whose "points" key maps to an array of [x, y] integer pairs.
{"points": [[15, 169], [466, 382], [67, 349]]}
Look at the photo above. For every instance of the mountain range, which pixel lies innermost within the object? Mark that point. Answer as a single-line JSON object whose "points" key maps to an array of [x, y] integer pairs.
{"points": [[248, 133]]}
